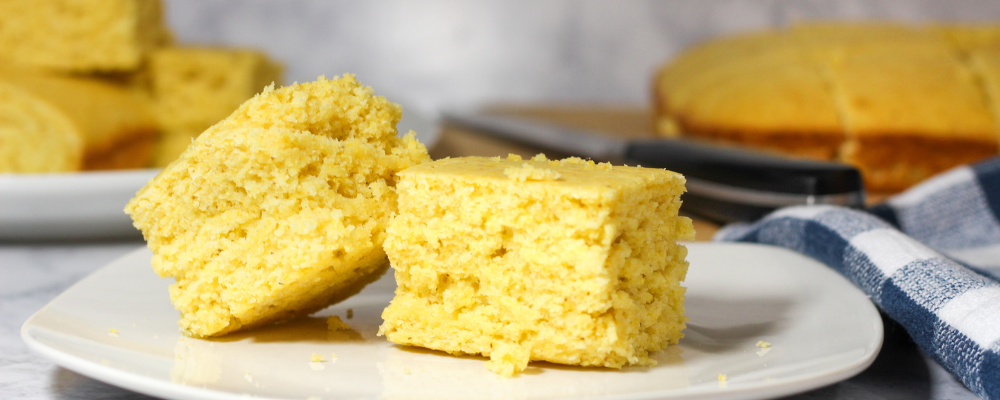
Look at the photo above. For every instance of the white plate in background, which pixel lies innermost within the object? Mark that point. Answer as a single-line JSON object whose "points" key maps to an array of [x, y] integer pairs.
{"points": [[88, 205], [821, 329]]}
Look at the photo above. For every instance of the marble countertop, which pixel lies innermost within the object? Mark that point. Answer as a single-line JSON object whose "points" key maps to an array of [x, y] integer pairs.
{"points": [[33, 274]]}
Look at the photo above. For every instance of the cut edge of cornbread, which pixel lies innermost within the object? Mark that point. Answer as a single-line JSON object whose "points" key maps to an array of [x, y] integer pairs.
{"points": [[279, 210], [565, 261]]}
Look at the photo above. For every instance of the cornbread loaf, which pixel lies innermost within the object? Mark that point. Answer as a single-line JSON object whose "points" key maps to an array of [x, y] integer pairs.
{"points": [[52, 123], [195, 87], [901, 103], [280, 209], [562, 261], [80, 35]]}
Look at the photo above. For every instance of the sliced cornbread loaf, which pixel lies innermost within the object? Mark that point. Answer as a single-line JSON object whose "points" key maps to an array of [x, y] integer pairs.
{"points": [[195, 87], [909, 112], [55, 123], [280, 209], [80, 35], [563, 261], [900, 102], [779, 103]]}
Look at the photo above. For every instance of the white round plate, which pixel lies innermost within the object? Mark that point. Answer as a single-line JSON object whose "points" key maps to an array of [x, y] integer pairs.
{"points": [[118, 326], [88, 205]]}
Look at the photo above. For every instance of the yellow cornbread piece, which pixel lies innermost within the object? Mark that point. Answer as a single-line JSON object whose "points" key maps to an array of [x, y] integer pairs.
{"points": [[194, 87], [280, 209], [52, 123], [580, 266], [80, 35], [334, 323]]}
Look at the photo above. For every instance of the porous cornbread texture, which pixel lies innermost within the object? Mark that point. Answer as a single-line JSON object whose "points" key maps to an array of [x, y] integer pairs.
{"points": [[51, 123], [900, 102], [80, 35], [280, 209], [562, 261]]}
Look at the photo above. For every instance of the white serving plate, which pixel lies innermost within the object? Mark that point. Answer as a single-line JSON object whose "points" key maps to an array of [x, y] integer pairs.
{"points": [[821, 329], [88, 205]]}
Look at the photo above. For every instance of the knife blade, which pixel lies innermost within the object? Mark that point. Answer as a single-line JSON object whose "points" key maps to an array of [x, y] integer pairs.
{"points": [[724, 184]]}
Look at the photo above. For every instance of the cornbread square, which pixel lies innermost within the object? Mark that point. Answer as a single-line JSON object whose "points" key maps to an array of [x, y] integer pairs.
{"points": [[81, 35], [280, 209], [562, 261], [56, 123], [195, 87]]}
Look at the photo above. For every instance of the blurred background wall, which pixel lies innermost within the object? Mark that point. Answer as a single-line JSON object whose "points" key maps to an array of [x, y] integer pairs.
{"points": [[443, 53]]}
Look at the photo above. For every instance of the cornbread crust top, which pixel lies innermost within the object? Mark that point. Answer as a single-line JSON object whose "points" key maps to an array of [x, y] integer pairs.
{"points": [[581, 268], [280, 209]]}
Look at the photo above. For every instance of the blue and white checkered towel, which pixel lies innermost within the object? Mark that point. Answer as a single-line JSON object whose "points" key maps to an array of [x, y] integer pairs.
{"points": [[930, 260]]}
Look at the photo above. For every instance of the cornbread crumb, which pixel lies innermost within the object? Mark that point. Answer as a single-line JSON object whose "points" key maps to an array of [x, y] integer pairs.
{"points": [[583, 270], [763, 344], [722, 377], [113, 332], [334, 323], [248, 377], [334, 355], [513, 157], [279, 210], [316, 358], [526, 172], [507, 359]]}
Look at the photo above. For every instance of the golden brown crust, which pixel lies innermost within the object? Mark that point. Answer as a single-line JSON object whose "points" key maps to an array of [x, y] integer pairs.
{"points": [[909, 102], [131, 150], [895, 162]]}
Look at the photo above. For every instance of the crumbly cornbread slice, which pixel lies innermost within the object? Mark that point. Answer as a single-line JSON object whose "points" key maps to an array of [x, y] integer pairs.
{"points": [[910, 111], [280, 209], [54, 123], [562, 261], [81, 35]]}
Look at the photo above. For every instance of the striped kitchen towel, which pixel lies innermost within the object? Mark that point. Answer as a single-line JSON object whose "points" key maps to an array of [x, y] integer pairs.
{"points": [[930, 260]]}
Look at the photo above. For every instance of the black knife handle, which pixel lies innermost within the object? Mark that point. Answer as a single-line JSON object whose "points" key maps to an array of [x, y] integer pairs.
{"points": [[747, 169]]}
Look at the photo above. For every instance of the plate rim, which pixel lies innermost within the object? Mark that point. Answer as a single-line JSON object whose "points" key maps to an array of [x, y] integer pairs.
{"points": [[158, 387]]}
